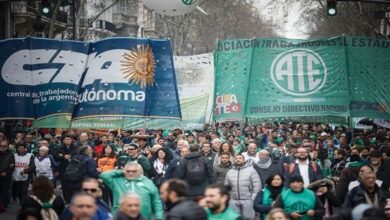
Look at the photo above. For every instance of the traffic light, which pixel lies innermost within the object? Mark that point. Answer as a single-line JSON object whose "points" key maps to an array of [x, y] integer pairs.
{"points": [[331, 7], [46, 8]]}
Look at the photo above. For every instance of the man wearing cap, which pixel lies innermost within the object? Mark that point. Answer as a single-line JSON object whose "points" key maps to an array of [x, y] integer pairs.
{"points": [[133, 154], [298, 202]]}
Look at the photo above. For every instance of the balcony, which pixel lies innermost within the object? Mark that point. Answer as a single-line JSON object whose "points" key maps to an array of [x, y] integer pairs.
{"points": [[126, 25], [24, 16]]}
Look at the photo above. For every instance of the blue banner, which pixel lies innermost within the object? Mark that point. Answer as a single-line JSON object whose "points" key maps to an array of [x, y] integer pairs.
{"points": [[130, 77]]}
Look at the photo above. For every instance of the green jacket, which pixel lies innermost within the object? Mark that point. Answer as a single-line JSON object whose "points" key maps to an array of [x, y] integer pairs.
{"points": [[228, 214], [143, 186]]}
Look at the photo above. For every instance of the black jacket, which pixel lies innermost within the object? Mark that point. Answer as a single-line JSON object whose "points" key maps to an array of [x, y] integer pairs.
{"points": [[356, 197], [7, 162], [185, 210], [198, 189], [121, 216], [58, 204], [59, 156]]}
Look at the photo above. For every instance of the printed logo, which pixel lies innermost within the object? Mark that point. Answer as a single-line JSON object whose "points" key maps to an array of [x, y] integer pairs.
{"points": [[191, 74], [139, 66], [299, 72], [227, 104], [189, 2]]}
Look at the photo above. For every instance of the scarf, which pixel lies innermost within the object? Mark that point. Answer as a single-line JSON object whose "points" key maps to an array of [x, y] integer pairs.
{"points": [[275, 191], [264, 163], [159, 167]]}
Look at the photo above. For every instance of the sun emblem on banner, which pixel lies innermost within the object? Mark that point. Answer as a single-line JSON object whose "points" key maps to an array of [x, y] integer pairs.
{"points": [[190, 74], [139, 66]]}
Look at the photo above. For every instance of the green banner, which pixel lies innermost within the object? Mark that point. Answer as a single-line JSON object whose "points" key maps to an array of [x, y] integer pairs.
{"points": [[369, 67], [232, 72], [328, 79]]}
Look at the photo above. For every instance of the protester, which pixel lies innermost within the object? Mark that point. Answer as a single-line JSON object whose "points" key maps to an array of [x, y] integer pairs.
{"points": [[324, 191], [159, 166], [366, 193], [217, 200], [129, 207], [251, 154], [7, 164], [207, 152], [91, 186], [45, 165], [274, 186], [131, 179], [174, 194], [298, 202], [245, 184], [133, 154], [196, 171], [79, 167], [309, 171], [265, 166], [43, 199], [22, 174], [225, 148], [82, 207], [221, 169], [277, 214], [171, 171]]}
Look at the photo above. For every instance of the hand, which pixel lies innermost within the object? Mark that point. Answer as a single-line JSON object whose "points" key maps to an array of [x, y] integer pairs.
{"points": [[310, 213], [67, 156], [99, 170], [100, 180], [56, 174], [295, 215], [3, 174]]}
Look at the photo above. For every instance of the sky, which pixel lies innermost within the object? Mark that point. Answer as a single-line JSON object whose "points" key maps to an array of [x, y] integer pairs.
{"points": [[285, 20]]}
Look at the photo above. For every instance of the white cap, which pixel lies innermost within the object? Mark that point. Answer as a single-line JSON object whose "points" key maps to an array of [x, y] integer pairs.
{"points": [[323, 134]]}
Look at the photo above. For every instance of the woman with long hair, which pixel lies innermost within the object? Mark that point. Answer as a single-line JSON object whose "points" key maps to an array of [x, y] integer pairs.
{"points": [[106, 162], [264, 199], [43, 199], [159, 164], [225, 148]]}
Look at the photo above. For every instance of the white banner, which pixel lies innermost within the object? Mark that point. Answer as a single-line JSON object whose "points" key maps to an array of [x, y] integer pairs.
{"points": [[195, 82]]}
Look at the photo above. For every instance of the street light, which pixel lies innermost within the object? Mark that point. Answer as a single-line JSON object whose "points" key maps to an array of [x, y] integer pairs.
{"points": [[331, 7]]}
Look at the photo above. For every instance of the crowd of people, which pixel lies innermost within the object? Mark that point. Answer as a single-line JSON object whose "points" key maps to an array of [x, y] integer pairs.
{"points": [[272, 171]]}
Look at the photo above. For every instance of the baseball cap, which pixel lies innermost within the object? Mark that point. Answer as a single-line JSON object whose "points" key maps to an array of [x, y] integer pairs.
{"points": [[323, 134]]}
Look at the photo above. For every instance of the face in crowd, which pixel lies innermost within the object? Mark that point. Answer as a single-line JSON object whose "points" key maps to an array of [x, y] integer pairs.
{"points": [[239, 160], [214, 199], [302, 154], [132, 171], [130, 205], [83, 207]]}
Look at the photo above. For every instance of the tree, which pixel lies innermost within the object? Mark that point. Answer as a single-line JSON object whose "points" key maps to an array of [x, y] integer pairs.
{"points": [[353, 18], [226, 19], [81, 30]]}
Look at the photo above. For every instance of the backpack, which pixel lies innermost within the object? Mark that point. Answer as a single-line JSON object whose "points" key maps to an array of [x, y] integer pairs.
{"points": [[47, 211], [291, 167], [196, 170], [75, 171]]}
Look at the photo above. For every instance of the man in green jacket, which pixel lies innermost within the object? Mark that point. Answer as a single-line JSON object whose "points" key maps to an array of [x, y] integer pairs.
{"points": [[130, 179], [217, 200]]}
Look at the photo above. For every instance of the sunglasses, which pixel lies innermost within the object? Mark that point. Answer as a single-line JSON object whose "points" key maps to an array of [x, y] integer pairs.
{"points": [[89, 190], [3, 145], [131, 171]]}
